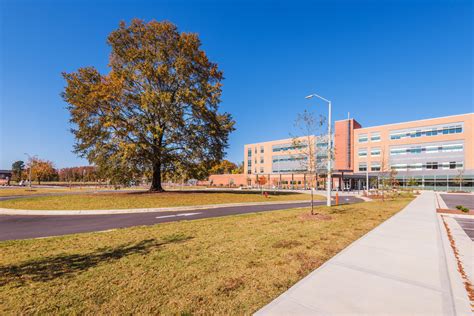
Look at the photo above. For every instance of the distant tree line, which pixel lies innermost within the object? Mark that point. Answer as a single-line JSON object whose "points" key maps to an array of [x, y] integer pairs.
{"points": [[77, 174], [44, 170]]}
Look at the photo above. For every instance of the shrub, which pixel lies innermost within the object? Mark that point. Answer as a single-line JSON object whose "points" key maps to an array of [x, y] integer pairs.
{"points": [[462, 208]]}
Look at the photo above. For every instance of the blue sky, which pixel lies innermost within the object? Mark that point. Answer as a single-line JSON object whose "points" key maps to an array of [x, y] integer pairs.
{"points": [[382, 61]]}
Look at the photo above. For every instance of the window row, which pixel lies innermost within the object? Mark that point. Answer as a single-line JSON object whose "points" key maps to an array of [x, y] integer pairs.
{"points": [[427, 149], [443, 130], [374, 137], [429, 166], [375, 166], [249, 151], [277, 170], [249, 161], [374, 152], [287, 147], [249, 171], [289, 158]]}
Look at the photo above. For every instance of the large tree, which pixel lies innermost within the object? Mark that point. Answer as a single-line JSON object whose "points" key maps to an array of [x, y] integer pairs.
{"points": [[41, 169], [17, 170], [155, 110]]}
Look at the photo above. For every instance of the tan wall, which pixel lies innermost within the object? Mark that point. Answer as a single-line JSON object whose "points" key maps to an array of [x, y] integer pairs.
{"points": [[467, 136], [267, 154]]}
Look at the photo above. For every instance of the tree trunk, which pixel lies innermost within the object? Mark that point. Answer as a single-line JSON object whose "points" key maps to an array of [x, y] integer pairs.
{"points": [[156, 180]]}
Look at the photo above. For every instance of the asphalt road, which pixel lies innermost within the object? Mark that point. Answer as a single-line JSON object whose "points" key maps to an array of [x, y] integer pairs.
{"points": [[24, 227], [451, 200]]}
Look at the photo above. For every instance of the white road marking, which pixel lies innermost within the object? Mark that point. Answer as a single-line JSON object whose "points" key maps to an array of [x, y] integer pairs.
{"points": [[183, 214]]}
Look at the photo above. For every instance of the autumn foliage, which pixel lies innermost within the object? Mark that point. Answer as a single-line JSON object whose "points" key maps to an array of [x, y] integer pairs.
{"points": [[157, 110]]}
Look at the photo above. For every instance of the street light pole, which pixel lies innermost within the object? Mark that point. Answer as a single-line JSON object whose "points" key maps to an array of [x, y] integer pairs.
{"points": [[329, 177]]}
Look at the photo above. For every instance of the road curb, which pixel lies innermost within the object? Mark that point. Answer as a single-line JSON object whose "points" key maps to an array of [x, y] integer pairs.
{"points": [[7, 211], [459, 294]]}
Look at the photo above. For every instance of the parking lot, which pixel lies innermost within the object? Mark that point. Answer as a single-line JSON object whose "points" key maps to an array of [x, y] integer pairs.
{"points": [[452, 200], [467, 224]]}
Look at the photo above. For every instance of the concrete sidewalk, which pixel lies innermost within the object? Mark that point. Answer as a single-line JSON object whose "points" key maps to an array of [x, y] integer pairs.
{"points": [[398, 268]]}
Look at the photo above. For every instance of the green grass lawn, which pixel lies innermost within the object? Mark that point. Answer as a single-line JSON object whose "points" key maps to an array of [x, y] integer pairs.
{"points": [[228, 265], [143, 200]]}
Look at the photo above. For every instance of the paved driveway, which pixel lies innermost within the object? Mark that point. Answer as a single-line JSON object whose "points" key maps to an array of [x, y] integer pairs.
{"points": [[27, 226]]}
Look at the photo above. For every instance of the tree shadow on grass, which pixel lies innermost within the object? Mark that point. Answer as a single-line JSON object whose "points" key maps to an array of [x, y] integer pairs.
{"points": [[50, 268]]}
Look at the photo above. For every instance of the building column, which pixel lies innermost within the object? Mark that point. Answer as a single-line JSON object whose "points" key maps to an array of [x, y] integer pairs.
{"points": [[341, 179]]}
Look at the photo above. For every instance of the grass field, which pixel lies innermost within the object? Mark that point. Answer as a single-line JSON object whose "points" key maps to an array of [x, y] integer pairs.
{"points": [[15, 191], [143, 200], [228, 265]]}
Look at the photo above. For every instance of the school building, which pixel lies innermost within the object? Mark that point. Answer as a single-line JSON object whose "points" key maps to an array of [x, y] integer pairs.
{"points": [[435, 153]]}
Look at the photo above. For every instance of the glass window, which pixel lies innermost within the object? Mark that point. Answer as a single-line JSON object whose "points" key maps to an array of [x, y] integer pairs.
{"points": [[401, 166], [362, 167], [261, 149], [362, 152], [249, 152], [375, 137], [375, 166], [363, 138], [452, 165], [432, 149], [261, 159], [415, 166], [375, 152]]}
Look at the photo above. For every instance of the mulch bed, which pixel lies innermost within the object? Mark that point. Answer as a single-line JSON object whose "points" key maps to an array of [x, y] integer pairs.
{"points": [[448, 211]]}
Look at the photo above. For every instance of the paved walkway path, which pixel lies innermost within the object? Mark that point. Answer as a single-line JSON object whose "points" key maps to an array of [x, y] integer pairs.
{"points": [[397, 268]]}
